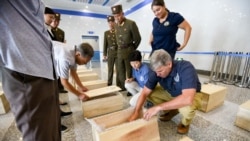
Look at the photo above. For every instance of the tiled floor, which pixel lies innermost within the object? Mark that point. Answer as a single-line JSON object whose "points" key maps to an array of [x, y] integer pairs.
{"points": [[216, 125]]}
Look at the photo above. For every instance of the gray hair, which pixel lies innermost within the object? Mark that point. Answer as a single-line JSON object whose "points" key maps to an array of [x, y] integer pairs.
{"points": [[159, 58], [85, 49]]}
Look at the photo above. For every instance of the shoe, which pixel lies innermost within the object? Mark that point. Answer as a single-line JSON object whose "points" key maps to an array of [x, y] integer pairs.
{"points": [[129, 94], [182, 129], [169, 115], [64, 129], [63, 91], [148, 104], [63, 103], [64, 114]]}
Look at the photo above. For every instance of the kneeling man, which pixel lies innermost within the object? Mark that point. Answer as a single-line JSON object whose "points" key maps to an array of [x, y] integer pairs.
{"points": [[178, 90]]}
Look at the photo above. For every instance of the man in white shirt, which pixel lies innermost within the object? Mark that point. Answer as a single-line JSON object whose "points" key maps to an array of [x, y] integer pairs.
{"points": [[67, 58]]}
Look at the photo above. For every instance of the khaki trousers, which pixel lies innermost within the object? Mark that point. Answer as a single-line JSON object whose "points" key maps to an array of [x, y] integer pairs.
{"points": [[159, 95]]}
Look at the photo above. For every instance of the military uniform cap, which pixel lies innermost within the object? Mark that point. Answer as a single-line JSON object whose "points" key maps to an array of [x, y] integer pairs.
{"points": [[110, 18], [58, 16], [116, 9], [48, 11]]}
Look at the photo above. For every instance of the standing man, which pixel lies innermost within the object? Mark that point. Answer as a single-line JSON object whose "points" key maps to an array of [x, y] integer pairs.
{"points": [[110, 49], [58, 36], [58, 32], [27, 70], [180, 87], [49, 16], [128, 39]]}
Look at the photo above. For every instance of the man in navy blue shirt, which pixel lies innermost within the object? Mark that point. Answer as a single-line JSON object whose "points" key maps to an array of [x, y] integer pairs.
{"points": [[179, 85]]}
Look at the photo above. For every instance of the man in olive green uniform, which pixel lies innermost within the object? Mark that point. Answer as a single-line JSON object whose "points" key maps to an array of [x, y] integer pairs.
{"points": [[58, 36], [110, 48], [128, 39], [57, 32]]}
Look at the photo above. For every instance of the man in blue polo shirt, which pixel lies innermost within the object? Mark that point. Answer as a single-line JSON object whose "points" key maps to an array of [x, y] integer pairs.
{"points": [[179, 87]]}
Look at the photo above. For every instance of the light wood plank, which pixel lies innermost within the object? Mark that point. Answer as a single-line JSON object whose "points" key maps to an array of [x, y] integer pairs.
{"points": [[95, 84], [88, 77], [84, 71], [102, 91]]}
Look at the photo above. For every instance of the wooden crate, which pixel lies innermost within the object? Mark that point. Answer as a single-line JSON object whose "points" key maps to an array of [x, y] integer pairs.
{"points": [[212, 96], [115, 127], [102, 101], [94, 84], [243, 116], [4, 104], [88, 77]]}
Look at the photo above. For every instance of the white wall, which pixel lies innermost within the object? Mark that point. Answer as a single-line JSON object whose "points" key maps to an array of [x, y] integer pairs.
{"points": [[217, 25]]}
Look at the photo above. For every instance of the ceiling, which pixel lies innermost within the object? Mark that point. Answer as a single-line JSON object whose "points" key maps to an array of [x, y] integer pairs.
{"points": [[92, 6]]}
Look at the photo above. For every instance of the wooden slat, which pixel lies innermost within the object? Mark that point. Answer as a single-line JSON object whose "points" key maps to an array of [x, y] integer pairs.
{"points": [[102, 91], [88, 77], [95, 84], [84, 71]]}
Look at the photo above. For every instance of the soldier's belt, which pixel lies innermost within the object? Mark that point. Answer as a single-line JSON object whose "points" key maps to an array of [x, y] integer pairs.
{"points": [[123, 47]]}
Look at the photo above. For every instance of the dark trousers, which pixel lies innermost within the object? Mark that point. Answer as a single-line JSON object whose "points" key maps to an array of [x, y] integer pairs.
{"points": [[60, 86], [112, 61], [35, 104], [124, 69]]}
